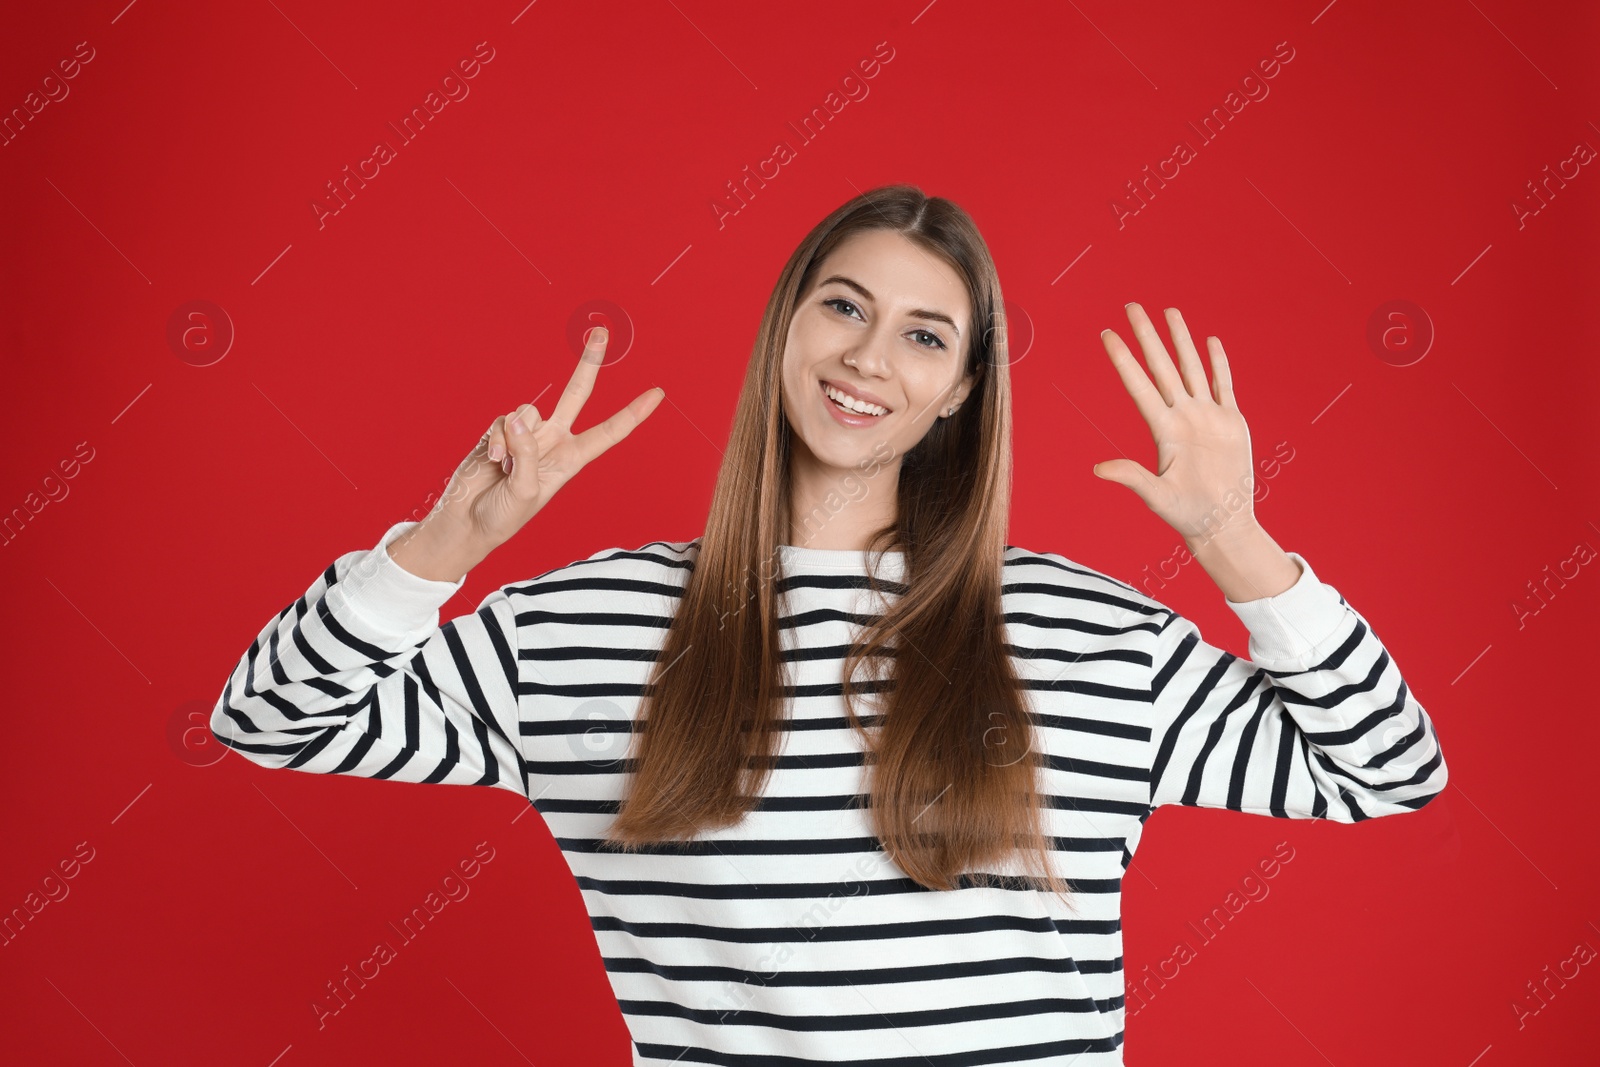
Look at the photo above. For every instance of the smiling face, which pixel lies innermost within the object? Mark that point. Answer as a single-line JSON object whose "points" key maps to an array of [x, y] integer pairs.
{"points": [[888, 322]]}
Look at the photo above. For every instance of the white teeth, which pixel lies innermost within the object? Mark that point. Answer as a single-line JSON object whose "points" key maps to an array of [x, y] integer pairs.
{"points": [[848, 401]]}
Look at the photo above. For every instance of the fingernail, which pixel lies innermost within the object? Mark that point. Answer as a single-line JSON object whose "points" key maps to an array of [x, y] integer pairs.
{"points": [[505, 464], [598, 335], [497, 452], [516, 425]]}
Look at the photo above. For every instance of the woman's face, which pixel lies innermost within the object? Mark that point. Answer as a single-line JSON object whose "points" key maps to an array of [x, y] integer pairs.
{"points": [[887, 322]]}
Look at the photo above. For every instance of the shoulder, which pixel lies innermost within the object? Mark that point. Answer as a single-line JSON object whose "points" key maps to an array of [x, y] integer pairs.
{"points": [[655, 567], [1052, 583]]}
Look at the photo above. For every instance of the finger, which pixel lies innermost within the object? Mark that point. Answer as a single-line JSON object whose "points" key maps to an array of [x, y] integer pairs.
{"points": [[472, 466], [1194, 374], [493, 443], [1146, 399], [530, 419], [1155, 355], [522, 451], [582, 380], [502, 441], [595, 440], [530, 416], [1221, 373], [484, 451]]}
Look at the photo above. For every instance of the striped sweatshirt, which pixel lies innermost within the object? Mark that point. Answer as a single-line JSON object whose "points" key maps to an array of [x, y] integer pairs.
{"points": [[792, 938]]}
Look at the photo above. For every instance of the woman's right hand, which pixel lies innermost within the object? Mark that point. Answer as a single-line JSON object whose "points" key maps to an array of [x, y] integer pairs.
{"points": [[511, 475]]}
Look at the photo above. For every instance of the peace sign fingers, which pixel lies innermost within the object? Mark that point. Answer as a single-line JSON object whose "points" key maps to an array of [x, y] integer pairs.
{"points": [[596, 439], [582, 381]]}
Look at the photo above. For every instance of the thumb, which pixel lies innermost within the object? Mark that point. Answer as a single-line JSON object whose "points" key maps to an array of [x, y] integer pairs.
{"points": [[1125, 472]]}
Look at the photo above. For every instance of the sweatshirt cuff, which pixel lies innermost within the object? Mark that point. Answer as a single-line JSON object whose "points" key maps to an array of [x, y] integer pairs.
{"points": [[1287, 631], [384, 602]]}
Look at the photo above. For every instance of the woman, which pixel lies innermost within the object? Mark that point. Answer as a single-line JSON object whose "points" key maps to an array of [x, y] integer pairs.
{"points": [[769, 871]]}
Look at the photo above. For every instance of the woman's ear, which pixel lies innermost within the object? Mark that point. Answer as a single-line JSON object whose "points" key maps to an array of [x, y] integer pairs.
{"points": [[962, 391]]}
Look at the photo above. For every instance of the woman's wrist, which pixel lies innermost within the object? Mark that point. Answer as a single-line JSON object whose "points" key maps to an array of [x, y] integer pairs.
{"points": [[420, 552], [1246, 563]]}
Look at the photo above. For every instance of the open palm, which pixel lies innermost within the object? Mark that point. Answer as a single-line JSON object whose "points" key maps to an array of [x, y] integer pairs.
{"points": [[1203, 481]]}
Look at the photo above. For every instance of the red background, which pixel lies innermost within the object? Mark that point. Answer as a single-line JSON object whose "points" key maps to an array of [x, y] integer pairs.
{"points": [[370, 354]]}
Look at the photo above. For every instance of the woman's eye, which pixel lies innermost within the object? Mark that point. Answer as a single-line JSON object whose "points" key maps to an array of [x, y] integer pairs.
{"points": [[836, 302]]}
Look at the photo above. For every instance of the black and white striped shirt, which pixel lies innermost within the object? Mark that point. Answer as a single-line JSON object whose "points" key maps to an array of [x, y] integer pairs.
{"points": [[792, 938]]}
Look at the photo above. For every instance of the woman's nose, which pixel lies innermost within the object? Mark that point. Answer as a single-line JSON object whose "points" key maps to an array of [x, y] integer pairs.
{"points": [[870, 355]]}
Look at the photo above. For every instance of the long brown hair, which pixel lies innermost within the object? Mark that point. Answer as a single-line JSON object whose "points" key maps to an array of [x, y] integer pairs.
{"points": [[951, 759]]}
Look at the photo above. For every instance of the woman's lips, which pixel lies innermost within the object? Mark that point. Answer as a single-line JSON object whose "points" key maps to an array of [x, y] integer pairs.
{"points": [[840, 415]]}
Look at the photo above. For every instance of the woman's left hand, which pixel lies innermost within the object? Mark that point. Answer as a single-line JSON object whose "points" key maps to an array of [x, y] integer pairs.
{"points": [[1203, 485]]}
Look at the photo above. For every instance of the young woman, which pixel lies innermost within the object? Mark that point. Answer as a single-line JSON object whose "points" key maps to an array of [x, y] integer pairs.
{"points": [[847, 779]]}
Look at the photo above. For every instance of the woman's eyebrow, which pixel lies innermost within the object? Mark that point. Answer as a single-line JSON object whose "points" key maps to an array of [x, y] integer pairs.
{"points": [[921, 313]]}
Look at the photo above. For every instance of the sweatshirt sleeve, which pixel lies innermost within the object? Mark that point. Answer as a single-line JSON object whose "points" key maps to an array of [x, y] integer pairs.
{"points": [[1316, 724], [358, 677]]}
